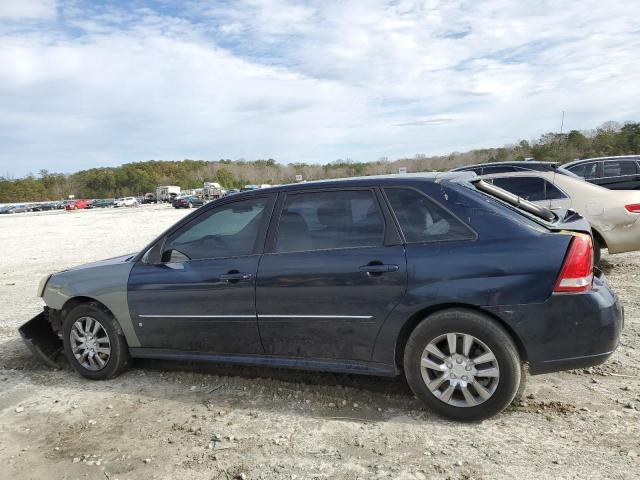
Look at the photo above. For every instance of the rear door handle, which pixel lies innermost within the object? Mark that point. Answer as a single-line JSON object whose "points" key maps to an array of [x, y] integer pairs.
{"points": [[379, 268], [235, 277]]}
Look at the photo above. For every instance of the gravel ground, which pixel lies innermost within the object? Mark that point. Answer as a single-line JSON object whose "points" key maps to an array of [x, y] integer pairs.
{"points": [[172, 420]]}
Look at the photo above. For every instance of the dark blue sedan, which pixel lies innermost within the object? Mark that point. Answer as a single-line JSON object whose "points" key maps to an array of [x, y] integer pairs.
{"points": [[444, 278]]}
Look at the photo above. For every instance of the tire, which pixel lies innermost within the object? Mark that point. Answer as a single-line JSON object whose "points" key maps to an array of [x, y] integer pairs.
{"points": [[118, 359], [463, 392]]}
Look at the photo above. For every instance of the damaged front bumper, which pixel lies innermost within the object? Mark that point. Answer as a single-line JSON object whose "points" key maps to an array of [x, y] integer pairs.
{"points": [[43, 342]]}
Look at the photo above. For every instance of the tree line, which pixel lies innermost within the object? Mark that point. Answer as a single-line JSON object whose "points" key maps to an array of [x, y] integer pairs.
{"points": [[138, 178]]}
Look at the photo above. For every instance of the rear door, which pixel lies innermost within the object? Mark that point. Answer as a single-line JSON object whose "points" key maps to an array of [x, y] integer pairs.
{"points": [[333, 271]]}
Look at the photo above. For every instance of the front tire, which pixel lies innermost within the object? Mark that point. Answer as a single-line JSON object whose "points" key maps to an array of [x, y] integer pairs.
{"points": [[462, 364], [94, 342]]}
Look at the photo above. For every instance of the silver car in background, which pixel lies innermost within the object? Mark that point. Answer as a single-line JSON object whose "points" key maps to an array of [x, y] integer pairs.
{"points": [[614, 215]]}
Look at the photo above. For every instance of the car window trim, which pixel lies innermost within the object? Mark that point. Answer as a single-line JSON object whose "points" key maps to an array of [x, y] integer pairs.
{"points": [[272, 234], [429, 198]]}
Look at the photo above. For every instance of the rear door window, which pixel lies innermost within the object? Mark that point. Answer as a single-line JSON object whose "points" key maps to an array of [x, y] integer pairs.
{"points": [[330, 220], [423, 220], [618, 168]]}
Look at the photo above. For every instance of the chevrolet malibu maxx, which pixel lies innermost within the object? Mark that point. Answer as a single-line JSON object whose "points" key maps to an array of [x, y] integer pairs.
{"points": [[444, 278]]}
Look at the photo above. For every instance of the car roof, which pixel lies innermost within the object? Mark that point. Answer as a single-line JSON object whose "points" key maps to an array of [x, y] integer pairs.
{"points": [[596, 159], [510, 162], [364, 181]]}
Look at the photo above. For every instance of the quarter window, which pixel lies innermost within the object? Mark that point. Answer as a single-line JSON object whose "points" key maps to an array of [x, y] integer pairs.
{"points": [[227, 231], [328, 220], [423, 220]]}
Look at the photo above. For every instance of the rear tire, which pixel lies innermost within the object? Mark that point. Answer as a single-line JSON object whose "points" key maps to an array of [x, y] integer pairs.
{"points": [[464, 386], [94, 342]]}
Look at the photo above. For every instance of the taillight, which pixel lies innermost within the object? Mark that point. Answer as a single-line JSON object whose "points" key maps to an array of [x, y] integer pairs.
{"points": [[577, 271], [633, 208]]}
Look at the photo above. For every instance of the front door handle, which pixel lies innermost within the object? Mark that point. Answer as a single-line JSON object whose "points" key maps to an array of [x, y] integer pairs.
{"points": [[235, 276], [378, 268]]}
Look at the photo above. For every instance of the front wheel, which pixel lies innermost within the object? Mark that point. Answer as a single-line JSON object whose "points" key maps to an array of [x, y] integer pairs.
{"points": [[94, 343], [462, 364]]}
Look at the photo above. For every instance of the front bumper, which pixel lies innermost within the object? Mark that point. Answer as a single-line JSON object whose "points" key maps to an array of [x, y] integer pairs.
{"points": [[43, 342], [568, 330]]}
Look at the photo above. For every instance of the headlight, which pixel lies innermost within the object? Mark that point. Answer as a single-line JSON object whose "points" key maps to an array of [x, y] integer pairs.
{"points": [[43, 284]]}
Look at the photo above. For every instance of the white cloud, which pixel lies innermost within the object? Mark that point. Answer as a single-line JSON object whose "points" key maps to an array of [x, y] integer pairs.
{"points": [[27, 9], [316, 82]]}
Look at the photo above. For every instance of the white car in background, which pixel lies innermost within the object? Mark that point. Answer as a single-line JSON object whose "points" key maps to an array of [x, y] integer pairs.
{"points": [[614, 215], [126, 202]]}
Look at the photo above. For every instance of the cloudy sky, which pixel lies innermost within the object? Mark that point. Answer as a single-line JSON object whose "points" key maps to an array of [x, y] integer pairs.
{"points": [[85, 85]]}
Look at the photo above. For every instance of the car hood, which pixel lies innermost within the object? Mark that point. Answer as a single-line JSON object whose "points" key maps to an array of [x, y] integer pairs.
{"points": [[101, 263]]}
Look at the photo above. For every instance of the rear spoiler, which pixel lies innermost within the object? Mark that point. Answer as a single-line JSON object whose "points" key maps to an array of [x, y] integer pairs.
{"points": [[518, 202]]}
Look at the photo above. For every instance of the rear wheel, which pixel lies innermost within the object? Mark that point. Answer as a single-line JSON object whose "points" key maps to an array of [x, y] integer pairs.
{"points": [[94, 343], [462, 365]]}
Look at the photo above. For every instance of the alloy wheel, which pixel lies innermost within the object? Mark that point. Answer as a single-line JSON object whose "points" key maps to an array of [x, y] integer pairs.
{"points": [[90, 343], [459, 369]]}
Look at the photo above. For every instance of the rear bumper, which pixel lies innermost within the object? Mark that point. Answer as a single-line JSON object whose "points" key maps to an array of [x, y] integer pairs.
{"points": [[623, 238], [568, 330]]}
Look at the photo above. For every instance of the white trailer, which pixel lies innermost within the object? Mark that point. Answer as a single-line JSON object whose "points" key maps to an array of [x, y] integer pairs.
{"points": [[167, 193], [211, 190]]}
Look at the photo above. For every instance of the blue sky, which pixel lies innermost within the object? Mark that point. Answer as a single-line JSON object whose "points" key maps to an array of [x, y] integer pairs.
{"points": [[86, 84]]}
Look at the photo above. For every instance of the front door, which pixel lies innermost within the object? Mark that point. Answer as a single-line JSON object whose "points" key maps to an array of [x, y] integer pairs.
{"points": [[201, 296], [329, 282]]}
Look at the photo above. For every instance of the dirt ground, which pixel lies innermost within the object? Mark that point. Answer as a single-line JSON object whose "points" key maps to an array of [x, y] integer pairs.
{"points": [[171, 420]]}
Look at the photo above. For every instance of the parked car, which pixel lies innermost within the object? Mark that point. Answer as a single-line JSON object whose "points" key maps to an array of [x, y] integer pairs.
{"points": [[187, 202], [615, 173], [514, 166], [76, 205], [614, 216], [14, 209], [43, 207], [126, 202], [103, 203], [444, 277], [231, 191]]}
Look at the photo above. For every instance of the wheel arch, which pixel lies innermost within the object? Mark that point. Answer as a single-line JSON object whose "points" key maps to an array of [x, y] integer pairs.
{"points": [[418, 317], [73, 302], [600, 239]]}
